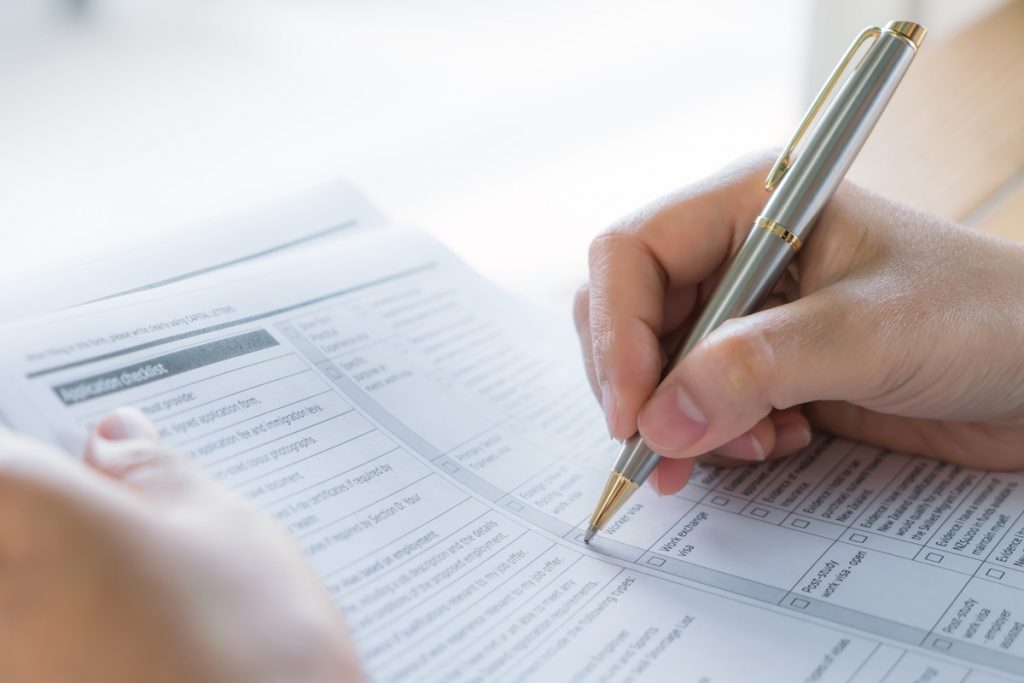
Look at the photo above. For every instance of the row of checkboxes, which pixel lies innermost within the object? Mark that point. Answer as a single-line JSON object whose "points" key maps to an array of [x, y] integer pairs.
{"points": [[800, 603], [991, 572]]}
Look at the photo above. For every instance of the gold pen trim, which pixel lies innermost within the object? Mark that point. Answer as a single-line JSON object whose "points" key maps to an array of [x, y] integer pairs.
{"points": [[785, 160], [616, 491], [906, 30], [779, 231]]}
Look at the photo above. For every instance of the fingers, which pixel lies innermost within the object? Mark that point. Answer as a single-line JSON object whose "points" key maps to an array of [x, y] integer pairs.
{"points": [[670, 248], [777, 358], [124, 447], [671, 475], [792, 432], [581, 316], [626, 304], [29, 464], [753, 445], [126, 424], [43, 489], [781, 434], [787, 430], [989, 447]]}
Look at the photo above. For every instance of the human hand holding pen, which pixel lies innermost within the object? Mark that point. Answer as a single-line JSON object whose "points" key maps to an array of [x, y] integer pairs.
{"points": [[894, 328]]}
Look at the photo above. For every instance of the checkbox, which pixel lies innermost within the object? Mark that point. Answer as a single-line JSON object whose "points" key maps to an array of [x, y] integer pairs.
{"points": [[800, 523], [656, 561], [995, 573], [514, 505], [933, 557], [942, 644], [719, 500], [334, 372], [799, 603], [759, 512], [450, 466], [858, 538]]}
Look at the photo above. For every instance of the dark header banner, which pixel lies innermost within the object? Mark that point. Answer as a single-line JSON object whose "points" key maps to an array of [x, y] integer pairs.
{"points": [[164, 366]]}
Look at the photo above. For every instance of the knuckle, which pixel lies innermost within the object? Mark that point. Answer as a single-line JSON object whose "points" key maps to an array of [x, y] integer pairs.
{"points": [[741, 355], [581, 307], [756, 164], [147, 461], [157, 457], [849, 239], [604, 246], [602, 340]]}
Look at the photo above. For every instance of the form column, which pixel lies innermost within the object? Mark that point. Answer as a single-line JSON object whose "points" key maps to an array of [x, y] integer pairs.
{"points": [[730, 537], [985, 621], [878, 575]]}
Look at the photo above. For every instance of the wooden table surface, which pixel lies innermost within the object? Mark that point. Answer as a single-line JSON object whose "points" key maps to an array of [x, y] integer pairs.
{"points": [[952, 140]]}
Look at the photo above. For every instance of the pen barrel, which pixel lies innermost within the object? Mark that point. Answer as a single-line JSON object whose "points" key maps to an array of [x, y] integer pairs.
{"points": [[789, 214], [798, 199], [831, 148], [748, 280]]}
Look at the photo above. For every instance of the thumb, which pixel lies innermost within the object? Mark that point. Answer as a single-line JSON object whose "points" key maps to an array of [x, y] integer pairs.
{"points": [[124, 446], [807, 350]]}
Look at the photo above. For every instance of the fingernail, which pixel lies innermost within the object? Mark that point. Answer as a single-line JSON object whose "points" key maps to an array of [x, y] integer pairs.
{"points": [[126, 423], [673, 420], [805, 436], [652, 478], [758, 448], [610, 405], [791, 437], [743, 447]]}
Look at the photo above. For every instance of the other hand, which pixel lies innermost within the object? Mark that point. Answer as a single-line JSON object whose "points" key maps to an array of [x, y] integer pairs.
{"points": [[134, 566]]}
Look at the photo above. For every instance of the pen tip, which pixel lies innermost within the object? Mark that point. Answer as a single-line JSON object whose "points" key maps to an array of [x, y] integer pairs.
{"points": [[591, 532]]}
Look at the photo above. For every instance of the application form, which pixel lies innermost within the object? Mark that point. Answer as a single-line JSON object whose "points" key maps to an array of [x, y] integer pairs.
{"points": [[432, 446]]}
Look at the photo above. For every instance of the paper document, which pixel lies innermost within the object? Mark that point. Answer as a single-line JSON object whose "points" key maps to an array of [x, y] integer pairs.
{"points": [[433, 447], [318, 214]]}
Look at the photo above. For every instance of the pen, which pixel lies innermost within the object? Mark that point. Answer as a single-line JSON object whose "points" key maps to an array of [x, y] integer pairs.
{"points": [[800, 189]]}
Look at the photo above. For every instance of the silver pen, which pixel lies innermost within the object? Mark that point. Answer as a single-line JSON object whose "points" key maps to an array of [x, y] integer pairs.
{"points": [[800, 189]]}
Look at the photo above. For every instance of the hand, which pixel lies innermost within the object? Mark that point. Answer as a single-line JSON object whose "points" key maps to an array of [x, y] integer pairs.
{"points": [[895, 328], [133, 566]]}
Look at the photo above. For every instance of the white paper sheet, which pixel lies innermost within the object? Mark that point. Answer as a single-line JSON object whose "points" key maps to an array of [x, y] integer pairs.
{"points": [[432, 446], [320, 213]]}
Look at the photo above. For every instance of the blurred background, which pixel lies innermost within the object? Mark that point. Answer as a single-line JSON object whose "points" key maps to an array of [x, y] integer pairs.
{"points": [[512, 132]]}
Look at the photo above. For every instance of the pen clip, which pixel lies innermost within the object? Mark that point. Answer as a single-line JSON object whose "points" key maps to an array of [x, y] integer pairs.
{"points": [[785, 161]]}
